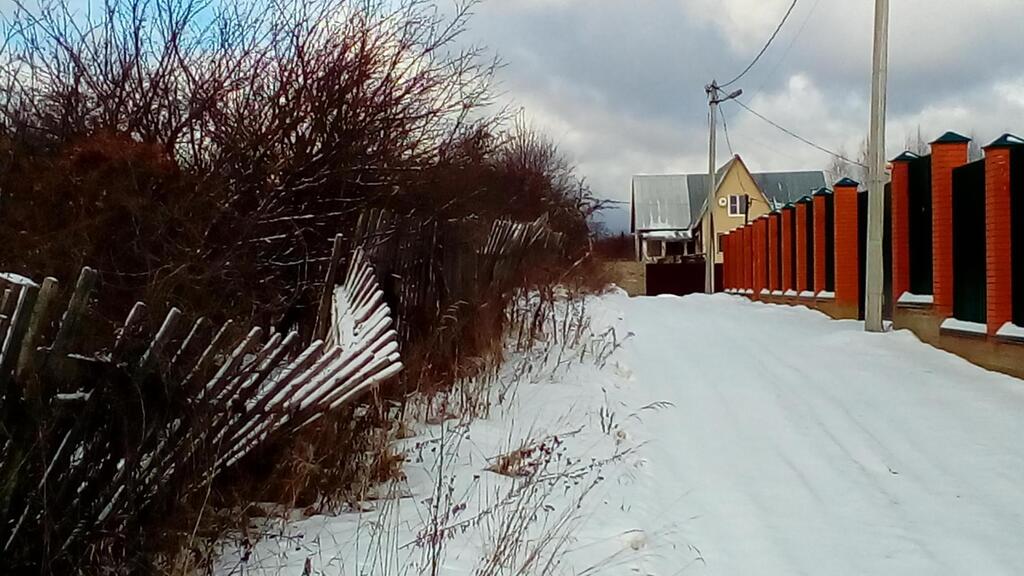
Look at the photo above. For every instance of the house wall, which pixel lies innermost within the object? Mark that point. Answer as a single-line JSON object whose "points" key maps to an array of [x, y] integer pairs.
{"points": [[737, 181]]}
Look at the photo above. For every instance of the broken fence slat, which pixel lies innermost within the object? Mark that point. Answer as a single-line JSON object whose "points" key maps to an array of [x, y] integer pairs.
{"points": [[19, 325]]}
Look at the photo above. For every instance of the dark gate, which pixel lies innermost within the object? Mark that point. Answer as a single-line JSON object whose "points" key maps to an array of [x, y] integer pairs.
{"points": [[888, 301], [778, 251], [809, 242], [830, 242], [862, 248], [1017, 232], [792, 246], [919, 225], [969, 282], [679, 279]]}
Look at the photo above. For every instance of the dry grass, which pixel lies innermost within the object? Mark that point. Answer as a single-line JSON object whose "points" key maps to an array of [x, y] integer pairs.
{"points": [[626, 274]]}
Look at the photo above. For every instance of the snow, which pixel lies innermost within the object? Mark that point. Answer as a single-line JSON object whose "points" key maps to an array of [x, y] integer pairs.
{"points": [[915, 299], [734, 437], [964, 326], [825, 295], [669, 235], [1011, 331], [17, 279], [790, 293], [807, 294]]}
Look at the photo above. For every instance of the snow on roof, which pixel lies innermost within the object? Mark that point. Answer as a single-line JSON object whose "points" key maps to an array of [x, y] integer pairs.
{"points": [[668, 235], [17, 279], [660, 202], [779, 188]]}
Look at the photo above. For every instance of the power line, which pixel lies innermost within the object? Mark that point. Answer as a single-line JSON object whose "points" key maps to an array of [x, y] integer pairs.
{"points": [[725, 126], [788, 49], [797, 136], [765, 49]]}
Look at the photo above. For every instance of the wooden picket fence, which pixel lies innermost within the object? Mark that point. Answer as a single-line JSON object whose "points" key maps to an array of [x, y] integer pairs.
{"points": [[94, 442], [435, 267]]}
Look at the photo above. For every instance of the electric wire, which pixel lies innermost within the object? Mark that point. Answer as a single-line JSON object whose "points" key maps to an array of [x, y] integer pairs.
{"points": [[765, 49], [797, 136]]}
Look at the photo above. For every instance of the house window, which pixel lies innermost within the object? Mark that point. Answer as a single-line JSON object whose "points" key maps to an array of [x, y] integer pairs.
{"points": [[737, 205]]}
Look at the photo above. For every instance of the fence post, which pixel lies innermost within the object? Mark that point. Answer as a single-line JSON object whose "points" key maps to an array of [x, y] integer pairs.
{"points": [[847, 260], [739, 259], [773, 251], [748, 258], [787, 248], [901, 224], [999, 233], [819, 239], [759, 254], [801, 248], [948, 152]]}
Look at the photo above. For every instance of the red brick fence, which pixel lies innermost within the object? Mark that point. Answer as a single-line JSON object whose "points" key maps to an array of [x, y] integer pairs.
{"points": [[954, 251]]}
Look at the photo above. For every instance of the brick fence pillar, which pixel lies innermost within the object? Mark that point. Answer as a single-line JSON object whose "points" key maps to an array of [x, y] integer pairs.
{"points": [[758, 259], [787, 248], [773, 252], [748, 252], [948, 152], [820, 219], [847, 246], [801, 247], [998, 233], [900, 222], [737, 258]]}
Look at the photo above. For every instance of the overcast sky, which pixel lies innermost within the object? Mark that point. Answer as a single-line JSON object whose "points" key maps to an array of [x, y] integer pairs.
{"points": [[620, 83]]}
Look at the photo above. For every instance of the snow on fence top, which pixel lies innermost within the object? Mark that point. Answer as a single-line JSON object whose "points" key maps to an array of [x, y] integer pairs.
{"points": [[158, 415]]}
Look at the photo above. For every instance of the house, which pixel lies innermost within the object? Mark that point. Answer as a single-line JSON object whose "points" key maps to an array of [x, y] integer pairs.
{"points": [[667, 211]]}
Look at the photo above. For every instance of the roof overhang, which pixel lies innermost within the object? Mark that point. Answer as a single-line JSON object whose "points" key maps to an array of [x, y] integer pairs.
{"points": [[668, 235]]}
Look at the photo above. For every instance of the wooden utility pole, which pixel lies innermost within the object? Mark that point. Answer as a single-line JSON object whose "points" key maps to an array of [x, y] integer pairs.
{"points": [[875, 273]]}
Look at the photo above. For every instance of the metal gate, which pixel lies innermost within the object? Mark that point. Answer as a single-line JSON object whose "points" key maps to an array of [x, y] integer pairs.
{"points": [[969, 252]]}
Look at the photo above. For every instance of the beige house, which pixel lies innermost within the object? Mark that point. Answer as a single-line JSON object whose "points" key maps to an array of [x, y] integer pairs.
{"points": [[667, 211]]}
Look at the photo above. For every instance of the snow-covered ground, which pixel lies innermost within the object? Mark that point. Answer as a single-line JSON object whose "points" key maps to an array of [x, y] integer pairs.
{"points": [[720, 437]]}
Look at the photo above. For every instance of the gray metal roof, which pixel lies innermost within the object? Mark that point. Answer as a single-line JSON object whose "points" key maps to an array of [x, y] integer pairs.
{"points": [[782, 188], [675, 201], [661, 202]]}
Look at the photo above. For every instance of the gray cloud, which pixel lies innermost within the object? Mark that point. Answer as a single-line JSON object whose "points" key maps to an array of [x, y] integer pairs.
{"points": [[620, 84]]}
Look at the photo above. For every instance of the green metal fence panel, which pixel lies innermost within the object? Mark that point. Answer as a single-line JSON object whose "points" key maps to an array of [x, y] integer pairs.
{"points": [[830, 243], [792, 249], [969, 282], [809, 242], [862, 247], [919, 225]]}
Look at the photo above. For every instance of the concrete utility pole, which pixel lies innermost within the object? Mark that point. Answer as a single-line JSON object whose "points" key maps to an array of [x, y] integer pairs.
{"points": [[708, 230], [708, 226], [875, 273]]}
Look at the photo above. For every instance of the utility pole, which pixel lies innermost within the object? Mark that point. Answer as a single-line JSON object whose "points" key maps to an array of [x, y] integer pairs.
{"points": [[708, 225], [875, 273]]}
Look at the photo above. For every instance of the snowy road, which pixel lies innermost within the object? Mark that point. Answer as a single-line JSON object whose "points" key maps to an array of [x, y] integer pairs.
{"points": [[801, 445], [740, 439]]}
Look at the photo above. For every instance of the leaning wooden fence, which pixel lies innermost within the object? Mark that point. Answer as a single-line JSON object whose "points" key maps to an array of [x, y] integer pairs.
{"points": [[94, 442]]}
